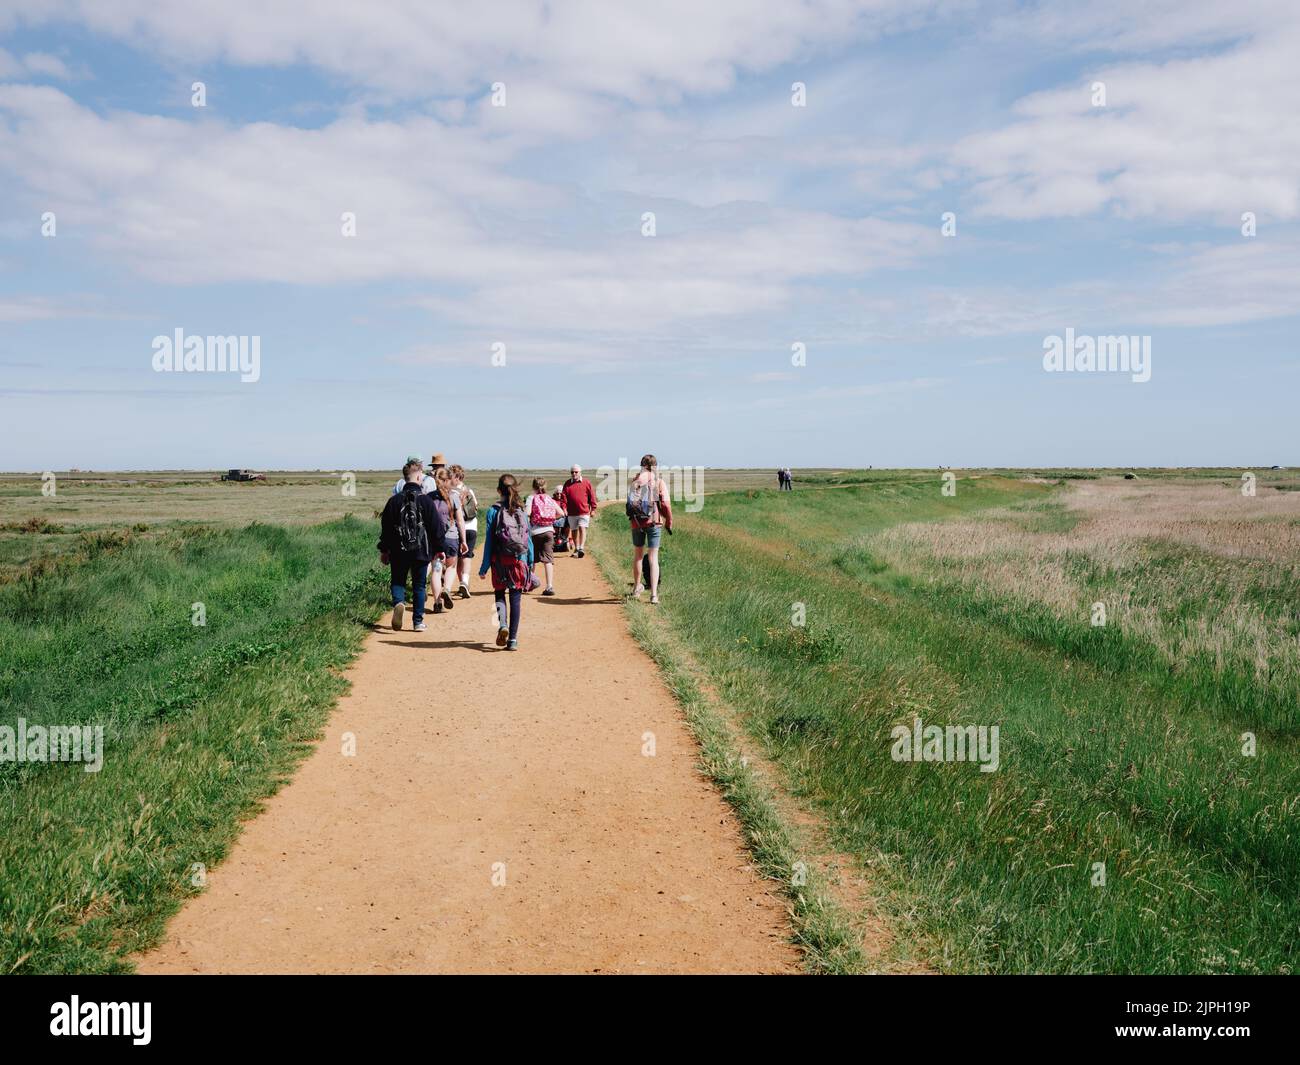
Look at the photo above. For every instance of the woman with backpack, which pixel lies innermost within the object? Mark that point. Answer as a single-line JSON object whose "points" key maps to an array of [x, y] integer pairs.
{"points": [[650, 511], [444, 564], [508, 552], [543, 511], [469, 511]]}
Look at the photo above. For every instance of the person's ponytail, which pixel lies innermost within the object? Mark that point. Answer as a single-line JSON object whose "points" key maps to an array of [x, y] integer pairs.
{"points": [[508, 490]]}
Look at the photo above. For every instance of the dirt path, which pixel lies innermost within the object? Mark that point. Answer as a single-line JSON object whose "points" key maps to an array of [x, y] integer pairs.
{"points": [[468, 756]]}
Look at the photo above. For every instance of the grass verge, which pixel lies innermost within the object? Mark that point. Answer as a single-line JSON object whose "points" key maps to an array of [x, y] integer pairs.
{"points": [[201, 721], [821, 927], [1126, 829]]}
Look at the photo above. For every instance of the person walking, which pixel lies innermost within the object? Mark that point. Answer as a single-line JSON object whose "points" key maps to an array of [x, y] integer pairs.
{"points": [[469, 512], [650, 511], [580, 504], [409, 527], [508, 552], [543, 511], [426, 482], [561, 523], [448, 551]]}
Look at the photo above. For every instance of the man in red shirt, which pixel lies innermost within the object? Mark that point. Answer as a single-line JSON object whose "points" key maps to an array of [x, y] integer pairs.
{"points": [[579, 504]]}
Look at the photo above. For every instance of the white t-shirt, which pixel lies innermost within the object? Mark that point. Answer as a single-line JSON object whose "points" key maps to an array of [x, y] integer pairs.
{"points": [[427, 486]]}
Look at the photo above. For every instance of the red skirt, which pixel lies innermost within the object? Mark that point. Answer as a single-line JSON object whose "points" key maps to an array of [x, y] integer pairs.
{"points": [[509, 573]]}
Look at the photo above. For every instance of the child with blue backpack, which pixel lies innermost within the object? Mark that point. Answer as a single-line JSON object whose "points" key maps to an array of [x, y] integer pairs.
{"points": [[508, 552]]}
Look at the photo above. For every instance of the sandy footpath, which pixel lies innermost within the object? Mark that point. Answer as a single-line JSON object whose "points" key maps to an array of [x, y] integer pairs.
{"points": [[474, 763]]}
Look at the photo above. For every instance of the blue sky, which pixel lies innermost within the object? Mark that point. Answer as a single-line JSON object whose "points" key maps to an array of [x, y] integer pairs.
{"points": [[774, 224]]}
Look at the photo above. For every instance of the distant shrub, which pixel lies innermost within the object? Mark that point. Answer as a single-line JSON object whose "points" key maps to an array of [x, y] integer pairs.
{"points": [[810, 643], [33, 525]]}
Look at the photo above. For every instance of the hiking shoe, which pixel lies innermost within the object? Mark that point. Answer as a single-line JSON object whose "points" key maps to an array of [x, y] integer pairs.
{"points": [[399, 611], [636, 592], [654, 600], [579, 552], [549, 591], [463, 591], [513, 645], [419, 626], [502, 636], [437, 606], [447, 600]]}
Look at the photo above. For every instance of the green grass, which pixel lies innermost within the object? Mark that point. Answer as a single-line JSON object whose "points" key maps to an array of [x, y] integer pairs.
{"points": [[1111, 752], [200, 722], [821, 928], [1105, 758]]}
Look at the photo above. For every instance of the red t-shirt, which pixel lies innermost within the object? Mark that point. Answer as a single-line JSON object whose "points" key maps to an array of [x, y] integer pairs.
{"points": [[579, 496]]}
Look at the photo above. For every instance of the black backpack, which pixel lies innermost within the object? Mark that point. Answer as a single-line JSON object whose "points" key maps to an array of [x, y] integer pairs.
{"points": [[645, 570], [410, 524]]}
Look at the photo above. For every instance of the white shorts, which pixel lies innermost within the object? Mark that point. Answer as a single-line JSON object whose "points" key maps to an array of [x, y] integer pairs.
{"points": [[579, 521]]}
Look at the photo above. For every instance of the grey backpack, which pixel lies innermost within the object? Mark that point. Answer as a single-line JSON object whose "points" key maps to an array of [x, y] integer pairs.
{"points": [[512, 531]]}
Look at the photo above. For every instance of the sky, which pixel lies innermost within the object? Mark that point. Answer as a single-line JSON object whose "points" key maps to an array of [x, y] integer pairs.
{"points": [[741, 233]]}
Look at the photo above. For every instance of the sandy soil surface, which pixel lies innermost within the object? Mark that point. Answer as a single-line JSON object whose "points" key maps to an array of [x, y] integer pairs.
{"points": [[474, 765]]}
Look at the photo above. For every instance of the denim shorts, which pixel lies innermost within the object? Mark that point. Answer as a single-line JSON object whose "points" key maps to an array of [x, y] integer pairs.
{"points": [[647, 537]]}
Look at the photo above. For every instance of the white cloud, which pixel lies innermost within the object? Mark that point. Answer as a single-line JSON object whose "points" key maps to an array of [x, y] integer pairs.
{"points": [[1201, 138], [33, 308], [195, 202], [32, 64], [650, 52]]}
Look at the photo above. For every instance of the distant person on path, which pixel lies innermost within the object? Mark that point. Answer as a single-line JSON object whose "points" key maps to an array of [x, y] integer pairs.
{"points": [[780, 479], [650, 511], [543, 511], [426, 482], [508, 552], [469, 511], [448, 551], [408, 529], [580, 504], [788, 478]]}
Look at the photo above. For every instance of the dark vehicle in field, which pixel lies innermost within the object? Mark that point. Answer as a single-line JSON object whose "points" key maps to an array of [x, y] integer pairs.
{"points": [[242, 475]]}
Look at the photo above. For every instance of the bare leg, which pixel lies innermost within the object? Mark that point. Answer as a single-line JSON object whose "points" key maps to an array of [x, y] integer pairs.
{"points": [[637, 553], [654, 572]]}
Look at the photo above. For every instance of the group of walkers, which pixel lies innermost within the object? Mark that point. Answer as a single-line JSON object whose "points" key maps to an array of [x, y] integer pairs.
{"points": [[785, 479], [429, 530]]}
